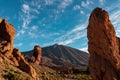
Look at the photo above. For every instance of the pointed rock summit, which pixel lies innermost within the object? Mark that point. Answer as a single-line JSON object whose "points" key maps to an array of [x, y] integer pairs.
{"points": [[103, 46]]}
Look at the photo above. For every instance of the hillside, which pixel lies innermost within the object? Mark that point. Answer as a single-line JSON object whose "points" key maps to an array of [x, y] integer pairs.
{"points": [[62, 56]]}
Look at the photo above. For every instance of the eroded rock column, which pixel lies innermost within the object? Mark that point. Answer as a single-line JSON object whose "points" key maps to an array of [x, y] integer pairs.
{"points": [[104, 63]]}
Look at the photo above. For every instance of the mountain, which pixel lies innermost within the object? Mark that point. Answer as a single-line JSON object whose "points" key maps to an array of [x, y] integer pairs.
{"points": [[62, 56]]}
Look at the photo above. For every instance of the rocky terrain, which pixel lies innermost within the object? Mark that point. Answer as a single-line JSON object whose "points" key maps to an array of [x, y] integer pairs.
{"points": [[59, 62], [13, 65], [11, 55], [103, 46], [16, 66]]}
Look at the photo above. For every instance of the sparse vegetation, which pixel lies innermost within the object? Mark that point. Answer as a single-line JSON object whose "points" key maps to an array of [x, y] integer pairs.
{"points": [[12, 75], [9, 72], [80, 76]]}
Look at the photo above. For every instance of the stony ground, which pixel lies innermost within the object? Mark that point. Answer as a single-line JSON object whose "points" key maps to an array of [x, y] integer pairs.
{"points": [[10, 72]]}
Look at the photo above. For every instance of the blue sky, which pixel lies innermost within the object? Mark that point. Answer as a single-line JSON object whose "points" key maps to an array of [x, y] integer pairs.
{"points": [[47, 22]]}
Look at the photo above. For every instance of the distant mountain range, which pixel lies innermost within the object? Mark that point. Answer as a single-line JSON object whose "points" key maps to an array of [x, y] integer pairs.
{"points": [[60, 55]]}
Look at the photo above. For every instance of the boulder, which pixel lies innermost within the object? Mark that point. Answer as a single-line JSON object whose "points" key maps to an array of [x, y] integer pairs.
{"points": [[103, 46]]}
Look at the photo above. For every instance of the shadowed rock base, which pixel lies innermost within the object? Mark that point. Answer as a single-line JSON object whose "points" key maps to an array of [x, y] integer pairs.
{"points": [[103, 46]]}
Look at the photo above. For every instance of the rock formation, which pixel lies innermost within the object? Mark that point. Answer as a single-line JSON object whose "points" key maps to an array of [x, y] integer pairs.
{"points": [[23, 64], [103, 46], [7, 34], [9, 54], [37, 54]]}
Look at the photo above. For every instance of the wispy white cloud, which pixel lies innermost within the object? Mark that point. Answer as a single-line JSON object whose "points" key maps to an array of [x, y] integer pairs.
{"points": [[33, 32], [66, 42], [34, 27], [86, 3], [72, 39], [36, 4], [101, 2], [65, 3], [26, 18], [114, 17], [49, 2], [29, 11], [76, 7], [25, 8], [78, 32], [18, 45], [48, 35], [32, 35]]}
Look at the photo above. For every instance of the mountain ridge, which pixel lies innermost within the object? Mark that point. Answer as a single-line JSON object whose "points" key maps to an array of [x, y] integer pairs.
{"points": [[61, 55]]}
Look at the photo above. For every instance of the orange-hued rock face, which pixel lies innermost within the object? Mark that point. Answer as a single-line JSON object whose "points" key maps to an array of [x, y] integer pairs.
{"points": [[0, 20], [37, 54], [103, 46], [11, 55], [23, 64], [7, 34]]}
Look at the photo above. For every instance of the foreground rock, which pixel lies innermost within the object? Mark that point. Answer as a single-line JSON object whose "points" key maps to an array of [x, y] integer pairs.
{"points": [[103, 46], [23, 64], [7, 34], [10, 55]]}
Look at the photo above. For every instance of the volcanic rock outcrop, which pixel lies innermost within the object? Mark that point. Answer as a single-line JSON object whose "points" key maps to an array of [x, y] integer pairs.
{"points": [[9, 54], [19, 60], [7, 34], [103, 46], [36, 55]]}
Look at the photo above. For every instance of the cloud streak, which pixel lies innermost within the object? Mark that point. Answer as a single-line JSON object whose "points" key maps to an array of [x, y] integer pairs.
{"points": [[49, 2], [65, 3], [114, 17], [29, 11], [86, 3], [76, 7], [78, 32]]}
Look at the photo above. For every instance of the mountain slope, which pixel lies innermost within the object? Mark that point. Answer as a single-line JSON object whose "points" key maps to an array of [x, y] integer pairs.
{"points": [[60, 55]]}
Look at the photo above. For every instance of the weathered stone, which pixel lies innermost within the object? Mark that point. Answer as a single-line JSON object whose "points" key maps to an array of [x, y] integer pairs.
{"points": [[7, 34], [103, 46], [23, 64], [10, 55], [37, 54]]}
